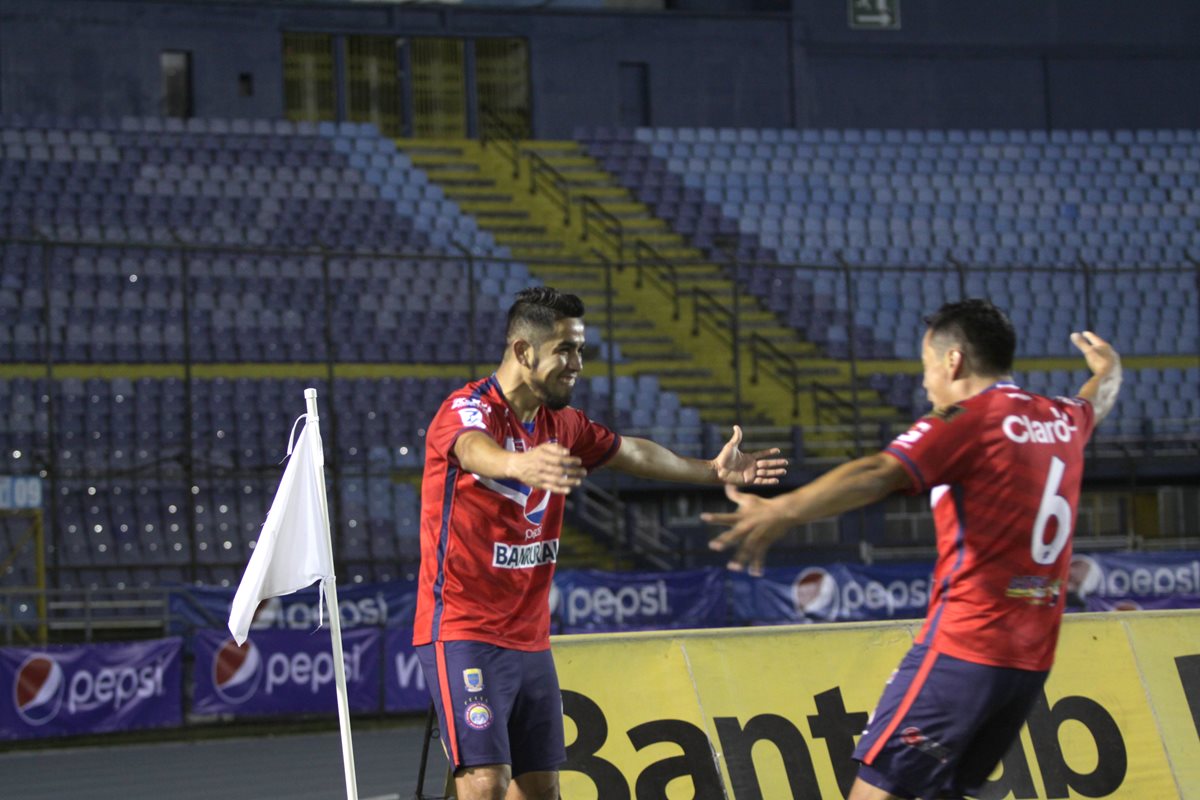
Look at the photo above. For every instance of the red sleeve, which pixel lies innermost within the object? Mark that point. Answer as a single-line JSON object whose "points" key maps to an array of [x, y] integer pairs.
{"points": [[592, 442], [461, 413], [937, 448]]}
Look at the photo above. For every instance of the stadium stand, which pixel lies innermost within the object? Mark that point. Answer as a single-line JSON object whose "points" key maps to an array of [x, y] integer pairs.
{"points": [[109, 216]]}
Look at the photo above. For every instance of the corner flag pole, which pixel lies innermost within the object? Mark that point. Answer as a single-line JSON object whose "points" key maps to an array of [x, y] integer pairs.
{"points": [[329, 587]]}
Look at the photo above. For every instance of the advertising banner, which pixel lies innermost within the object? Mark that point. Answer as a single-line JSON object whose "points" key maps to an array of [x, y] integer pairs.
{"points": [[362, 604], [1141, 602], [592, 601], [64, 690], [283, 672], [1123, 574], [782, 709], [404, 683], [830, 593]]}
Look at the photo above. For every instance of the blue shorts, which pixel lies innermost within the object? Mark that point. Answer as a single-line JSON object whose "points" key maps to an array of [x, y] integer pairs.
{"points": [[496, 706], [943, 724]]}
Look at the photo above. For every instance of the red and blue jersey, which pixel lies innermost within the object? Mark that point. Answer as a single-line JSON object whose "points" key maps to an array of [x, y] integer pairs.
{"points": [[489, 546], [1003, 469]]}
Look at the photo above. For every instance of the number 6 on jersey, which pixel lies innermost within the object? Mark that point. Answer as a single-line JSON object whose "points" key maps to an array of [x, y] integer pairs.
{"points": [[1056, 506]]}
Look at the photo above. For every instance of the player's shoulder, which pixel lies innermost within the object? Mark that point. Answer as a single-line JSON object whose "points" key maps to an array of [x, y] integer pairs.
{"points": [[948, 413], [477, 394], [979, 406]]}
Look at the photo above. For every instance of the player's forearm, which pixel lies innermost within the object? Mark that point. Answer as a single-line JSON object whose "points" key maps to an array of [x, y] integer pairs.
{"points": [[480, 455], [1101, 390], [643, 458], [852, 485]]}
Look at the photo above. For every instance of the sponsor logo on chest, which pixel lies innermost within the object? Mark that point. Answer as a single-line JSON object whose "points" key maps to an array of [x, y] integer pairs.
{"points": [[524, 556]]}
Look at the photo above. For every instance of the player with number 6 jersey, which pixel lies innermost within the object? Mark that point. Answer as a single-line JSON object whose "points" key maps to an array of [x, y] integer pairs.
{"points": [[1005, 460], [1003, 469]]}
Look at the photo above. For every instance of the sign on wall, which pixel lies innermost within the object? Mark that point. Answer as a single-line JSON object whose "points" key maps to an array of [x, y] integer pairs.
{"points": [[64, 690], [875, 14]]}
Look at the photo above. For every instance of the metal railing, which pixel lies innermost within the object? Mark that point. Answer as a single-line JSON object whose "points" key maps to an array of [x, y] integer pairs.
{"points": [[602, 228], [659, 271], [39, 616], [505, 138], [1130, 446], [604, 514], [546, 179], [766, 356]]}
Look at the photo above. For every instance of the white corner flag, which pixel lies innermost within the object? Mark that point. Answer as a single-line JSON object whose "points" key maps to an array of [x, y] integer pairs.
{"points": [[293, 550]]}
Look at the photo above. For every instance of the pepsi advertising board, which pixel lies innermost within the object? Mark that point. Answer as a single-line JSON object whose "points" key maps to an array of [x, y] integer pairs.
{"points": [[283, 672], [592, 601], [830, 593], [69, 690], [1143, 602], [361, 604], [1143, 575], [404, 682]]}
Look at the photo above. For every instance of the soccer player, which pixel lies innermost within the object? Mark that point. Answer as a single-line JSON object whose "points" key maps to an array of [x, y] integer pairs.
{"points": [[500, 456], [1003, 469]]}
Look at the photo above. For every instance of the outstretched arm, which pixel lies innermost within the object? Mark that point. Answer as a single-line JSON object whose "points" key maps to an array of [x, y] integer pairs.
{"points": [[547, 466], [1104, 362], [759, 522], [645, 459]]}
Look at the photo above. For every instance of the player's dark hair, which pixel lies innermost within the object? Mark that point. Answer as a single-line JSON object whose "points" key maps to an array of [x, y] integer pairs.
{"points": [[540, 307], [984, 332]]}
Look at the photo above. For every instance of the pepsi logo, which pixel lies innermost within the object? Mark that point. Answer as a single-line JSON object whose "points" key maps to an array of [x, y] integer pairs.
{"points": [[38, 689], [1084, 576], [535, 505], [236, 671], [815, 593], [912, 736]]}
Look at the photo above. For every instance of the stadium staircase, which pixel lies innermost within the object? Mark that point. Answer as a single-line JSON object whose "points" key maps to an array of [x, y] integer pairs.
{"points": [[695, 361]]}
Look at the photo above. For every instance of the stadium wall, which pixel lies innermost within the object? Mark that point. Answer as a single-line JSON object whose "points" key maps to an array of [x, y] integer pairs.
{"points": [[755, 713], [962, 63]]}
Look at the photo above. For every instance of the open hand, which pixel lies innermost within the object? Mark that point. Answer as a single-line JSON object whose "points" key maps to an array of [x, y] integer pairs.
{"points": [[757, 524], [747, 469], [549, 466], [1100, 356]]}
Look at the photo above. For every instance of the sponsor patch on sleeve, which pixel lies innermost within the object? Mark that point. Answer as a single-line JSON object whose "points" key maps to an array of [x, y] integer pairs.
{"points": [[472, 418]]}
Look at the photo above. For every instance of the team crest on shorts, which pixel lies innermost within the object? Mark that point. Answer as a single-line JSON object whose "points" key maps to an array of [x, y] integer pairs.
{"points": [[479, 716], [473, 679]]}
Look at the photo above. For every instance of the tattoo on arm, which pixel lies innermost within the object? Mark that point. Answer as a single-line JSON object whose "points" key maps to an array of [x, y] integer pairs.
{"points": [[1106, 393]]}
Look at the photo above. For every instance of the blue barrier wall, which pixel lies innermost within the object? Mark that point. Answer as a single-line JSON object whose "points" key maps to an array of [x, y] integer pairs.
{"points": [[960, 63]]}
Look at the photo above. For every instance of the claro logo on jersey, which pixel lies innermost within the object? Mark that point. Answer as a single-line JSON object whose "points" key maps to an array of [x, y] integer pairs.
{"points": [[1021, 429], [41, 684], [524, 556], [238, 671]]}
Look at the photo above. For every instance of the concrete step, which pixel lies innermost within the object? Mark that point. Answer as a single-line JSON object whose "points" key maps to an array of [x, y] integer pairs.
{"points": [[480, 196], [486, 213], [465, 183], [509, 227], [658, 352], [568, 163], [548, 147], [432, 152]]}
